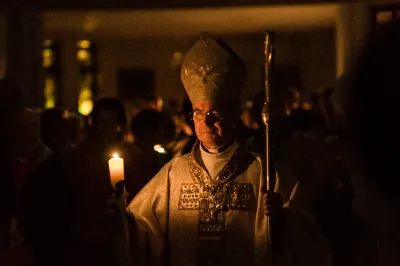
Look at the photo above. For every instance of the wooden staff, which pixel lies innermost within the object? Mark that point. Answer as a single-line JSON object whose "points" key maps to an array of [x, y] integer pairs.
{"points": [[266, 115]]}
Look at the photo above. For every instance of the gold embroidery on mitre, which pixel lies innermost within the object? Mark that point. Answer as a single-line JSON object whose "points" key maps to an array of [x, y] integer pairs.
{"points": [[204, 73], [204, 79], [210, 72]]}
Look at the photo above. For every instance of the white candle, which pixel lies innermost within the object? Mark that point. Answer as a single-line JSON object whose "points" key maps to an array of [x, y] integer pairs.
{"points": [[116, 166]]}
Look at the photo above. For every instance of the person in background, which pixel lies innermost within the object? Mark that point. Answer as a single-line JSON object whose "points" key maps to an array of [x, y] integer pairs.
{"points": [[151, 102], [47, 211], [256, 142], [95, 225], [30, 151], [10, 110], [50, 234], [291, 100], [247, 126], [55, 130], [184, 131], [152, 132], [75, 128], [186, 110], [247, 118], [318, 160], [371, 119]]}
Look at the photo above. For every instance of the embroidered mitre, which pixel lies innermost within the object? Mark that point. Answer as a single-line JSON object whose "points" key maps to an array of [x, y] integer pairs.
{"points": [[212, 71]]}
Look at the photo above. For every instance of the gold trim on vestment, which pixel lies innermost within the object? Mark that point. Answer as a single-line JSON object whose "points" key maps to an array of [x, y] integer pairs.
{"points": [[215, 197]]}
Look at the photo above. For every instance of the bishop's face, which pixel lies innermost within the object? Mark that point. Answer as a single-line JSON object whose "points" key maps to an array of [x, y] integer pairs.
{"points": [[213, 124]]}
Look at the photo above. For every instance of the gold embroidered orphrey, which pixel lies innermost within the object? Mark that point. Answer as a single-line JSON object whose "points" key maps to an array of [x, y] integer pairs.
{"points": [[214, 197]]}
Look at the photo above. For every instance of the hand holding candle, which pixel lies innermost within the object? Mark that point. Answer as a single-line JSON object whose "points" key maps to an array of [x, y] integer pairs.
{"points": [[116, 166]]}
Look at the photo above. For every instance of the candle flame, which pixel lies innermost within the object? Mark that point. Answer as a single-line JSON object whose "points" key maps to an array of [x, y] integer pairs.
{"points": [[115, 156]]}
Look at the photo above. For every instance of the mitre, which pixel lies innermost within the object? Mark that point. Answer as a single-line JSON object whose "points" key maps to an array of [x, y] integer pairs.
{"points": [[212, 71]]}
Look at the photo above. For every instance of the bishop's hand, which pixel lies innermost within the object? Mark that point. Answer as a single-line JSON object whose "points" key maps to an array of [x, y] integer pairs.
{"points": [[273, 203]]}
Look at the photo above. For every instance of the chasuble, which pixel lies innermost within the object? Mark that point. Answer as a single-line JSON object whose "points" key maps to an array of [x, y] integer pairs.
{"points": [[185, 216]]}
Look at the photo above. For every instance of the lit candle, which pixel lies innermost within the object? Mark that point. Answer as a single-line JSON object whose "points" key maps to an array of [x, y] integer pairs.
{"points": [[116, 166]]}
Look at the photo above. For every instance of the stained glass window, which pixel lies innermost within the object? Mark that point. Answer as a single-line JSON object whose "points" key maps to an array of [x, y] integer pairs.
{"points": [[86, 55], [50, 55]]}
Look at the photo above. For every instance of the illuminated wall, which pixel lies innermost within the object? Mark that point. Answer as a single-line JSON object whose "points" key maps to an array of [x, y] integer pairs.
{"points": [[313, 53]]}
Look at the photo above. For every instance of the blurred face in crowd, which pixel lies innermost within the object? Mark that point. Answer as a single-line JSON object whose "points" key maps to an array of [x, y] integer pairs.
{"points": [[214, 125], [291, 101], [247, 119], [28, 131], [107, 124]]}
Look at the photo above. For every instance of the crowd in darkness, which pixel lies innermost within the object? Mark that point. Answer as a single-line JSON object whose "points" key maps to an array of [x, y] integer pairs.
{"points": [[341, 146]]}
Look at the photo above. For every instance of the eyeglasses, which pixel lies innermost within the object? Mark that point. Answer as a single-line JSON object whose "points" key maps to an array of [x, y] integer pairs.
{"points": [[198, 115]]}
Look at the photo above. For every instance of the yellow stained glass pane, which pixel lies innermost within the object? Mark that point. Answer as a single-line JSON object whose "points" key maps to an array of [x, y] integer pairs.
{"points": [[48, 58], [85, 102], [50, 103], [85, 44], [85, 107], [49, 93], [83, 55]]}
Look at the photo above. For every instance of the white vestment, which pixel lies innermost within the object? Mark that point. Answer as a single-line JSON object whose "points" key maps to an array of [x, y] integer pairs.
{"points": [[168, 234]]}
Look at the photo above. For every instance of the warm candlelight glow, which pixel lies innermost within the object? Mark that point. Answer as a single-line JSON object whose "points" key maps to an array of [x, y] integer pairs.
{"points": [[158, 148], [116, 166]]}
